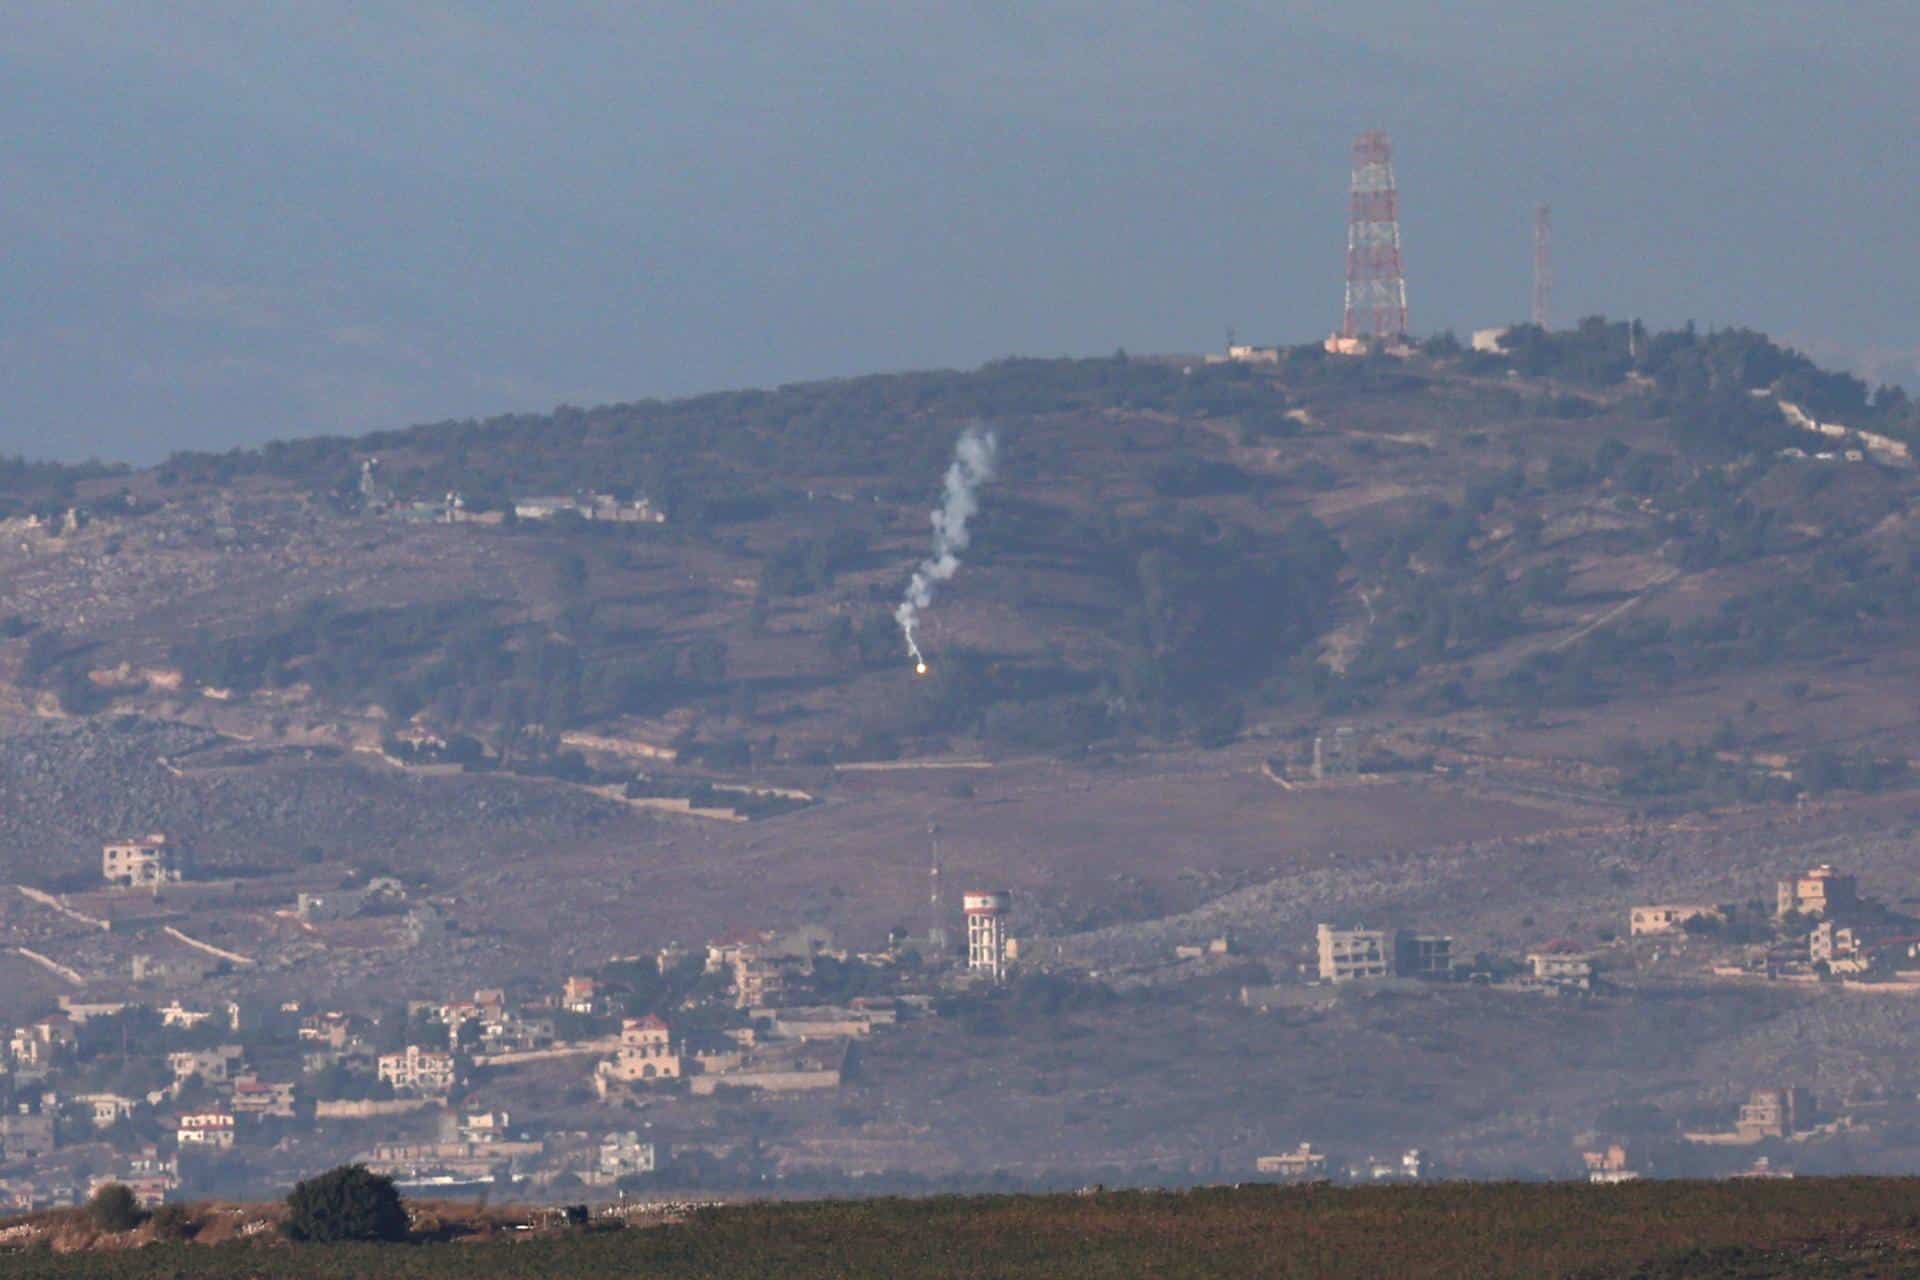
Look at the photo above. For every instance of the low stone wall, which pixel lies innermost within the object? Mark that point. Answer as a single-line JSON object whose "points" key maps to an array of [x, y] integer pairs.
{"points": [[367, 1108]]}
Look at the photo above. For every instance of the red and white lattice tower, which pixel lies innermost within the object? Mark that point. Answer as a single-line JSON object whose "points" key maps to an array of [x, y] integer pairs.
{"points": [[1542, 267], [1376, 279]]}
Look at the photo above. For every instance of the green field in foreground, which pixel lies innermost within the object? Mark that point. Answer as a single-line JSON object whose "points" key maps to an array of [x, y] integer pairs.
{"points": [[1806, 1227]]}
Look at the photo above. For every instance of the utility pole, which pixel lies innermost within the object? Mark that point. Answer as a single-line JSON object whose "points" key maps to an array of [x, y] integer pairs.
{"points": [[1542, 267]]}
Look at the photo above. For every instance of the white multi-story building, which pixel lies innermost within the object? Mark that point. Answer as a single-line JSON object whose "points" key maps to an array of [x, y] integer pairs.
{"points": [[105, 1109], [1346, 955], [206, 1129], [987, 932], [418, 1070]]}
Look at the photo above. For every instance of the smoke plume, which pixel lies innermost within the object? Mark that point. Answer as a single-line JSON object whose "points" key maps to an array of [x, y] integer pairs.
{"points": [[973, 458]]}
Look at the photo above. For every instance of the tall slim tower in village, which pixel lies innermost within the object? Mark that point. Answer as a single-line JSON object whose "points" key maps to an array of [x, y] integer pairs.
{"points": [[987, 933], [1376, 277], [1542, 267]]}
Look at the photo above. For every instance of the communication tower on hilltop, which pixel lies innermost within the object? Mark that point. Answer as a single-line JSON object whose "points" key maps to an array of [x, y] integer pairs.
{"points": [[1376, 278], [1542, 266], [987, 932]]}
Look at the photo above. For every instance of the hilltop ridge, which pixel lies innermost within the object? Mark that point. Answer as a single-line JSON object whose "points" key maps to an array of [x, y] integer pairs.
{"points": [[1174, 551]]}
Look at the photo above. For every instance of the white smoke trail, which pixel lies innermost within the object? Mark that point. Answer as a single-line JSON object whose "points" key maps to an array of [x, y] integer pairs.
{"points": [[973, 458]]}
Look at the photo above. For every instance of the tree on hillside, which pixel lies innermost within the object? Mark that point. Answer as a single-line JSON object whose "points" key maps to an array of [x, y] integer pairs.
{"points": [[347, 1203], [113, 1208]]}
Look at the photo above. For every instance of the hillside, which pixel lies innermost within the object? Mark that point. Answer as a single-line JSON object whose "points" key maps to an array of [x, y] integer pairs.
{"points": [[1483, 548], [1648, 1231], [1603, 620]]}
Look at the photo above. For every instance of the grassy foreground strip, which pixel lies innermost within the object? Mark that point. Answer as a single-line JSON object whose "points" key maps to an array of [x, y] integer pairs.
{"points": [[1651, 1230]]}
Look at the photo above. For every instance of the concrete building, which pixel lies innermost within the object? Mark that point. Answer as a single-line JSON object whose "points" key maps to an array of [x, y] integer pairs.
{"points": [[150, 1186], [1775, 1113], [1303, 1164], [25, 1134], [1561, 968], [784, 1068], [105, 1109], [1423, 955], [1408, 1166], [215, 1066], [484, 1126], [178, 1015], [986, 914], [1350, 955], [418, 1070], [1609, 1166], [33, 1046], [1839, 947], [255, 1097], [145, 863], [206, 1129], [760, 981], [1243, 353], [1667, 917], [81, 1010], [646, 1054], [624, 1155], [580, 995], [1822, 891]]}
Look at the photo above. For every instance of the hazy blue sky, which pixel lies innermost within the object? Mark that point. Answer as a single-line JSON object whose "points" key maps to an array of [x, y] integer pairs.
{"points": [[227, 222]]}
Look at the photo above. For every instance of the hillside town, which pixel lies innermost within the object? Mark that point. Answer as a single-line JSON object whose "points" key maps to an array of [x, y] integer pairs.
{"points": [[616, 1080], [653, 1069]]}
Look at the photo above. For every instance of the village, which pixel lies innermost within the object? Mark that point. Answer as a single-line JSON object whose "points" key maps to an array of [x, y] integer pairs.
{"points": [[1818, 932], [187, 1098], [649, 1071]]}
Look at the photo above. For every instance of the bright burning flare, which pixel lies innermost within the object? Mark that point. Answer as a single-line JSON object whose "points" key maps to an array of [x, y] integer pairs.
{"points": [[919, 668]]}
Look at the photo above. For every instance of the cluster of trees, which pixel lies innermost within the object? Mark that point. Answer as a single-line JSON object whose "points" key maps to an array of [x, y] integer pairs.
{"points": [[461, 664], [45, 489], [690, 456], [1703, 382]]}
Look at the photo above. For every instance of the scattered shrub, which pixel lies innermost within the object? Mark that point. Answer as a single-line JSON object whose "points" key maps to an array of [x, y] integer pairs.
{"points": [[347, 1203]]}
